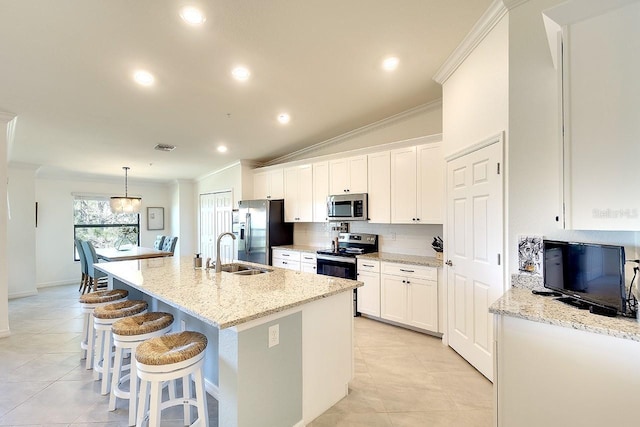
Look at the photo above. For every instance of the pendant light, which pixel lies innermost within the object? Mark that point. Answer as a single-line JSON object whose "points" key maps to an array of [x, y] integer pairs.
{"points": [[125, 204]]}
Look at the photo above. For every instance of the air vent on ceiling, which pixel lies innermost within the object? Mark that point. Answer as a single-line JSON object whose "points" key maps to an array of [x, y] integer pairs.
{"points": [[164, 147]]}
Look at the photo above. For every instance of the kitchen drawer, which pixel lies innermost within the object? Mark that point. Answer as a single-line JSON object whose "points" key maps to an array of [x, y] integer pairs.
{"points": [[286, 254], [368, 265], [408, 270], [308, 258], [285, 263]]}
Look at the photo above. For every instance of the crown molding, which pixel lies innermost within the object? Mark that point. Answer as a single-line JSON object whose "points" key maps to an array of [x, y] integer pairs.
{"points": [[485, 24], [359, 131], [6, 117]]}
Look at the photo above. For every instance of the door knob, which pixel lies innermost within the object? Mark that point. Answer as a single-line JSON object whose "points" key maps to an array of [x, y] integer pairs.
{"points": [[449, 263]]}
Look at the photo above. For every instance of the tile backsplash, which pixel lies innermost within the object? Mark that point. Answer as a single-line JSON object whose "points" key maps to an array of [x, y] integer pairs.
{"points": [[410, 239]]}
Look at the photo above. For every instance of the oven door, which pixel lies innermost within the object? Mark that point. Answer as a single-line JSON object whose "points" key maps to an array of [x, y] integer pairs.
{"points": [[336, 266]]}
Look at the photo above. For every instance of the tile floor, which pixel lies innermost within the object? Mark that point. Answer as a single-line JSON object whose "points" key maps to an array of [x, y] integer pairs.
{"points": [[402, 378]]}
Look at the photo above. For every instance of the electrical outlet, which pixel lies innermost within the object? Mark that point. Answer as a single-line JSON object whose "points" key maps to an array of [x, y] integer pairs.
{"points": [[392, 236], [274, 335]]}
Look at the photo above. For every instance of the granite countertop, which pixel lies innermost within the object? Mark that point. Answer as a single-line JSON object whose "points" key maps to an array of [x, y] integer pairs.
{"points": [[224, 299], [403, 259], [300, 248], [521, 303]]}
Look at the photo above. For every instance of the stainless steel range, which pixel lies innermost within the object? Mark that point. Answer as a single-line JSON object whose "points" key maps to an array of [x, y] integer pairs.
{"points": [[341, 262]]}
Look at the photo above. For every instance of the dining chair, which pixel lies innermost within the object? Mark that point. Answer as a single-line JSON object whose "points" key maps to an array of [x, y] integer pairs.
{"points": [[84, 277], [159, 241], [96, 277], [169, 244]]}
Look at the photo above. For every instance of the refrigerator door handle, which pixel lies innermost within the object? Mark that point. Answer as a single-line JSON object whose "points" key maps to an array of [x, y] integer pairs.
{"points": [[248, 228]]}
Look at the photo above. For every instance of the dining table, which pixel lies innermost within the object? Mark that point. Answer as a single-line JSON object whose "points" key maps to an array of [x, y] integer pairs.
{"points": [[133, 252]]}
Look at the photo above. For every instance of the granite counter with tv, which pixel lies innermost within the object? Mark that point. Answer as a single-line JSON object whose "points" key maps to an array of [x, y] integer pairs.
{"points": [[558, 365]]}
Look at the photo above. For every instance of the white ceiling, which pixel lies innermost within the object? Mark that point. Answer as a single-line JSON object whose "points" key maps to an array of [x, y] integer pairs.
{"points": [[66, 66]]}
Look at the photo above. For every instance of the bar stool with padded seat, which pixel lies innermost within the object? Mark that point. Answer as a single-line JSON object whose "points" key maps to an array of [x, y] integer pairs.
{"points": [[103, 317], [88, 303], [128, 333], [168, 358]]}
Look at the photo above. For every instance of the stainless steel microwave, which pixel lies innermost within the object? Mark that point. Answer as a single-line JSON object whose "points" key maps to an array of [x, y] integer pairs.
{"points": [[347, 207]]}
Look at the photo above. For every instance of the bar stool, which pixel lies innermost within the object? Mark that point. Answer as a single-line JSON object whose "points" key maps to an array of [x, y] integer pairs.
{"points": [[128, 333], [103, 317], [167, 358], [88, 303]]}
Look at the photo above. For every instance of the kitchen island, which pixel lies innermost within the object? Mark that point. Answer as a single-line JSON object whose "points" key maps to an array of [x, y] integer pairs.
{"points": [[280, 343]]}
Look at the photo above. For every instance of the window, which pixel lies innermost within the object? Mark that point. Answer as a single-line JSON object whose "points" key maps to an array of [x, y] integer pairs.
{"points": [[94, 221]]}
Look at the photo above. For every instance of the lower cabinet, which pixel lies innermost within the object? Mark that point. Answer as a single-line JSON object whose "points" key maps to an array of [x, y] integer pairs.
{"points": [[369, 294], [308, 262], [285, 258], [409, 295], [294, 260]]}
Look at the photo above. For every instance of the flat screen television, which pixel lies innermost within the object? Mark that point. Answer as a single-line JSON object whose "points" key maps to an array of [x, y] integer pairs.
{"points": [[591, 274]]}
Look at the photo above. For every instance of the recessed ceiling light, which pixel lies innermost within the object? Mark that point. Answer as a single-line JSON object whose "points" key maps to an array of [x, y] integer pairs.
{"points": [[284, 118], [143, 78], [241, 73], [222, 149], [390, 63], [192, 16]]}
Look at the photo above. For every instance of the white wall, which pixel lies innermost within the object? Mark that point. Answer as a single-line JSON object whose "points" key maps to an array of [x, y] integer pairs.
{"points": [[183, 224], [5, 124], [475, 97], [21, 231], [534, 143], [414, 123], [54, 235]]}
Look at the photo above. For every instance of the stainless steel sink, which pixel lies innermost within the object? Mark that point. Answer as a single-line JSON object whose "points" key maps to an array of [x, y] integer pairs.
{"points": [[243, 269]]}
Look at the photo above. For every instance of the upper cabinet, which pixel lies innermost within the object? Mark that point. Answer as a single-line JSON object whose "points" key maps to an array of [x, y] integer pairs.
{"points": [[298, 188], [417, 180], [268, 184], [597, 49], [320, 191], [348, 175], [379, 183]]}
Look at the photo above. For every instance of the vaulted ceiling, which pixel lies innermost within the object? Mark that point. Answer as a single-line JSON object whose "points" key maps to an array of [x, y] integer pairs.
{"points": [[66, 70]]}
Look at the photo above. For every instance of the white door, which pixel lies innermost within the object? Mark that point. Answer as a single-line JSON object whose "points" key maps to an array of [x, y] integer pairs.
{"points": [[207, 226], [215, 218], [474, 249]]}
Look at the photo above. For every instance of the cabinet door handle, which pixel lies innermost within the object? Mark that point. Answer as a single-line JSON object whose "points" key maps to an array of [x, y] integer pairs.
{"points": [[367, 265], [449, 263], [307, 257], [284, 262], [404, 281], [285, 254], [408, 282], [407, 271]]}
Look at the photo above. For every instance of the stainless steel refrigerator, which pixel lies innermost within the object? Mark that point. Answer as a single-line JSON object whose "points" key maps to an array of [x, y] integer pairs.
{"points": [[260, 226]]}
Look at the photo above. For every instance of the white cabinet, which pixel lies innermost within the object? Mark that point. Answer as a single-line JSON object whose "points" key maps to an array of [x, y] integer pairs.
{"points": [[379, 187], [294, 260], [417, 181], [601, 90], [320, 191], [285, 258], [348, 175], [308, 262], [409, 295], [268, 184], [298, 200], [369, 294]]}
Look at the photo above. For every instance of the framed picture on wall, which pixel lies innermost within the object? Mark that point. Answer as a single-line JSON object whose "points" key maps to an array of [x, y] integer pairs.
{"points": [[155, 218]]}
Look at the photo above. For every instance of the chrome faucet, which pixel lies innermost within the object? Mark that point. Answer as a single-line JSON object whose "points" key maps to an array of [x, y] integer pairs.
{"points": [[218, 262]]}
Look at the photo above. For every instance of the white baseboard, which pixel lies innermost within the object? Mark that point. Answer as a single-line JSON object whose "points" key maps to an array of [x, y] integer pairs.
{"points": [[15, 295], [299, 424], [57, 283], [5, 333], [212, 389]]}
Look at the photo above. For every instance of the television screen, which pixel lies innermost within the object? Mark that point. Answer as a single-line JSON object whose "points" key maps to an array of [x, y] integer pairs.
{"points": [[588, 272]]}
